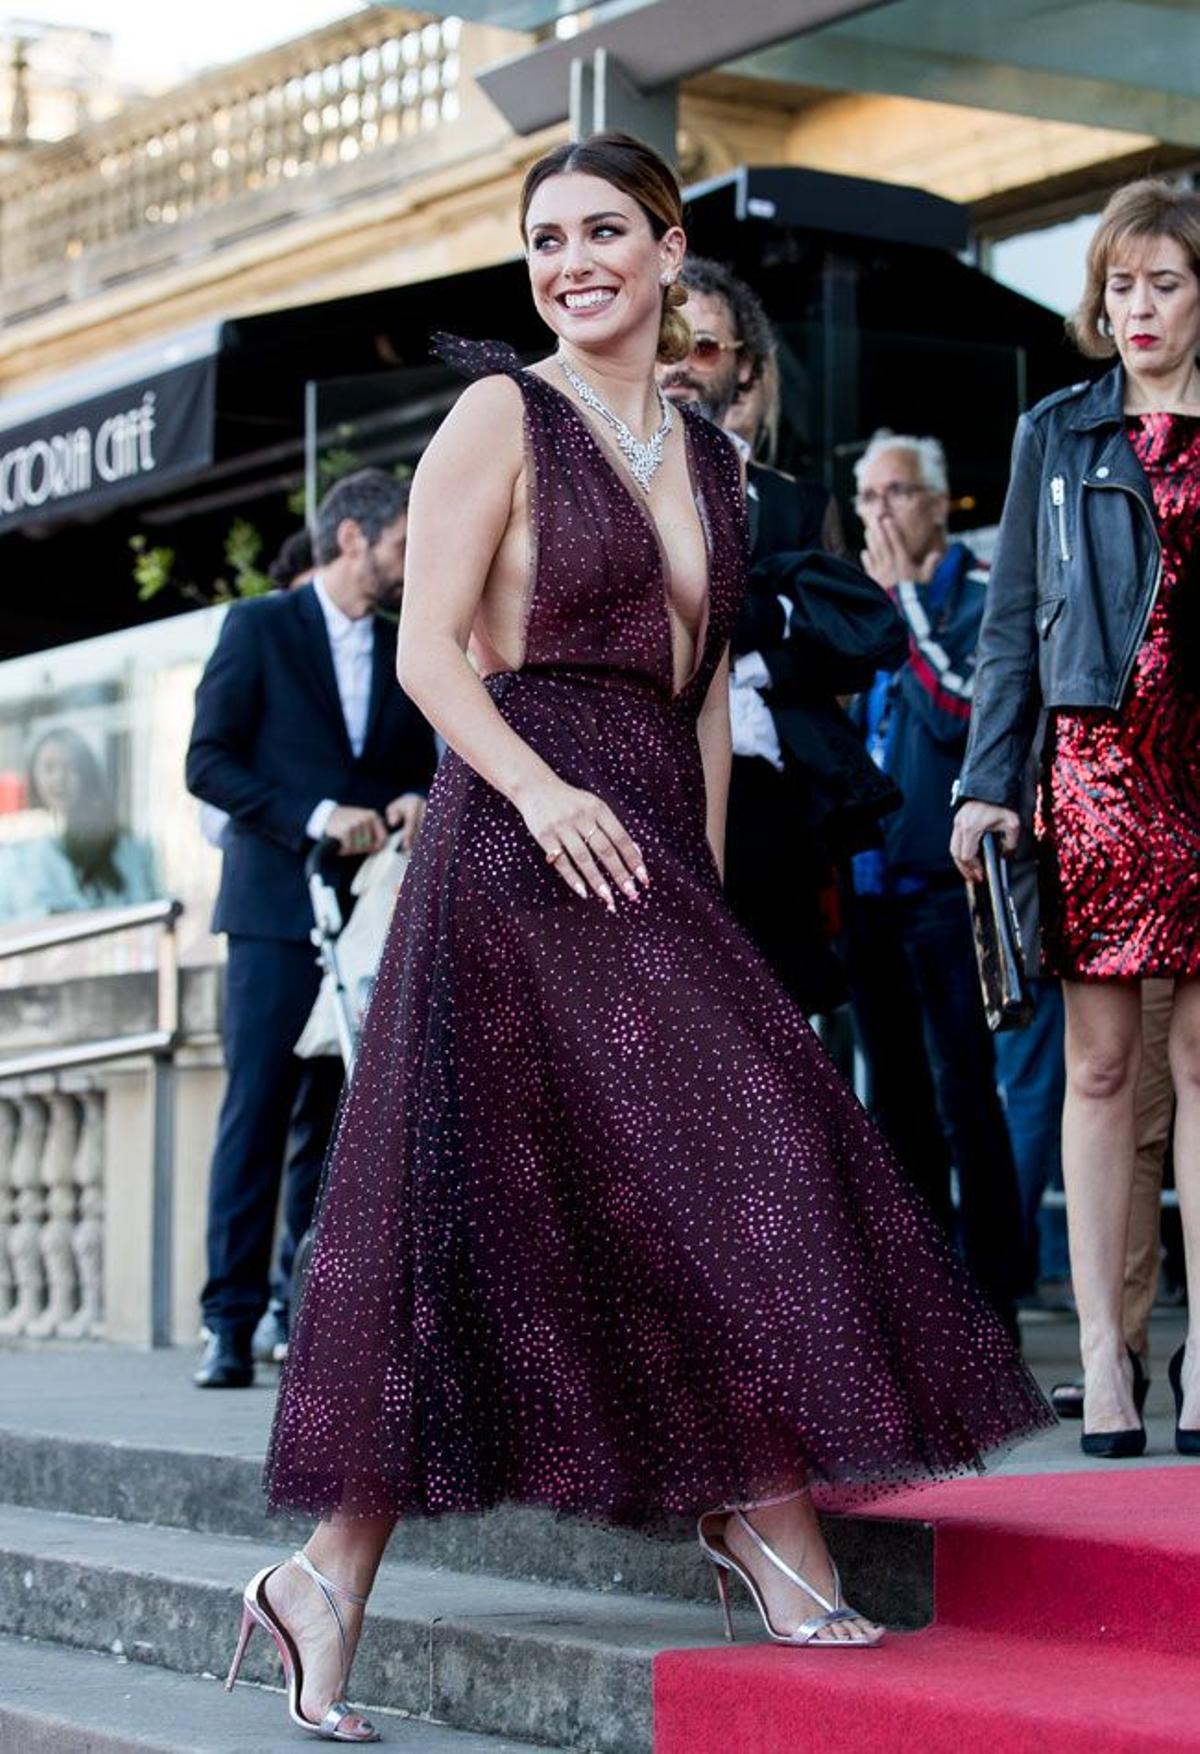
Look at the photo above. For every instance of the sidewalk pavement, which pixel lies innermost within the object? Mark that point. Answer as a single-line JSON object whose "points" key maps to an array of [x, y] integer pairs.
{"points": [[121, 1395]]}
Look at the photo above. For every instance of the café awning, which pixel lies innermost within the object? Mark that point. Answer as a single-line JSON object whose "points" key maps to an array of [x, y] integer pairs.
{"points": [[118, 432]]}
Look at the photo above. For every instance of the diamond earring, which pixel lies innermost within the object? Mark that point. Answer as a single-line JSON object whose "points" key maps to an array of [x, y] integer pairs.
{"points": [[666, 278]]}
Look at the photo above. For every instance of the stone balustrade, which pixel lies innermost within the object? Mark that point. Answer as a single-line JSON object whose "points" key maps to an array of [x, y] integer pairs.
{"points": [[104, 1166], [229, 155], [52, 1212]]}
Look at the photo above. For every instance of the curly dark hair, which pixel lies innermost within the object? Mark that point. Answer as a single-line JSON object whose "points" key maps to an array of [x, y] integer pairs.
{"points": [[295, 557], [751, 324]]}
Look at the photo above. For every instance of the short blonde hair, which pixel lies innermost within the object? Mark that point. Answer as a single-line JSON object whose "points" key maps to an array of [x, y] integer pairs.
{"points": [[1149, 208]]}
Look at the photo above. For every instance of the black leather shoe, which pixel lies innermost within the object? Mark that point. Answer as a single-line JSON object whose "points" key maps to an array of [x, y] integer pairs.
{"points": [[226, 1364]]}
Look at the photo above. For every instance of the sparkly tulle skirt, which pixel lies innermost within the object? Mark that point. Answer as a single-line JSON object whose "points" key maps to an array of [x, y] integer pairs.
{"points": [[603, 1229]]}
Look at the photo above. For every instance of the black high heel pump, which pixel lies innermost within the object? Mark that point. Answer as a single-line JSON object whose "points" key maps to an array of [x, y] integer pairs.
{"points": [[1121, 1446], [1187, 1437]]}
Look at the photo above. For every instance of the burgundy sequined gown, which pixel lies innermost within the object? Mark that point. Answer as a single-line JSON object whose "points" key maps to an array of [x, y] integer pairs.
{"points": [[603, 1229], [1120, 796]]}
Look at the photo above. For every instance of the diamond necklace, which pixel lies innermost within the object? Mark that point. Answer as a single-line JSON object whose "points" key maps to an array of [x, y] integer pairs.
{"points": [[643, 458]]}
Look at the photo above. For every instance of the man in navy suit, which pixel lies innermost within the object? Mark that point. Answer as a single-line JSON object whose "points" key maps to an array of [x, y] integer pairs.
{"points": [[301, 730]]}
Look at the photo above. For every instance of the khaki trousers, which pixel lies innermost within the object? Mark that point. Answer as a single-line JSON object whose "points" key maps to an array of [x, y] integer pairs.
{"points": [[1153, 1107]]}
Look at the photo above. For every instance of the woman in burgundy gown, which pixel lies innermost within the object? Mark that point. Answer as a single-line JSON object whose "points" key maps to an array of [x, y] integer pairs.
{"points": [[603, 1230], [1093, 617]]}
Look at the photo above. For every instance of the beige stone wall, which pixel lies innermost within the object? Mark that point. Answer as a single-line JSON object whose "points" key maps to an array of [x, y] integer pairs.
{"points": [[452, 202]]}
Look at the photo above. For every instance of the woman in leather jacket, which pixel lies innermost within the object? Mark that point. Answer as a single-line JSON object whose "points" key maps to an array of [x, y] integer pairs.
{"points": [[1090, 633]]}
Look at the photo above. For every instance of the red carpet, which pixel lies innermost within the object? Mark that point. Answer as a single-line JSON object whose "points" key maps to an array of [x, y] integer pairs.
{"points": [[1068, 1619]]}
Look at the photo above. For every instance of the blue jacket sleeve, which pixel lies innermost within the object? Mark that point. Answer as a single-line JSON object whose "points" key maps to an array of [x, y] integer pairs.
{"points": [[938, 680], [229, 704], [1007, 689]]}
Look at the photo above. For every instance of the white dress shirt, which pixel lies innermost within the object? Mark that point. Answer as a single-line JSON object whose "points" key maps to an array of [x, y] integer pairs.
{"points": [[352, 645], [751, 723]]}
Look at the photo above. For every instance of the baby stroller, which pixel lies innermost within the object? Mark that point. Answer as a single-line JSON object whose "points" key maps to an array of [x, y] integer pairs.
{"points": [[349, 955]]}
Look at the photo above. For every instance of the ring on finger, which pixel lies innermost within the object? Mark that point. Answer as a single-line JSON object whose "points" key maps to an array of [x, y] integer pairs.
{"points": [[552, 856], [592, 831]]}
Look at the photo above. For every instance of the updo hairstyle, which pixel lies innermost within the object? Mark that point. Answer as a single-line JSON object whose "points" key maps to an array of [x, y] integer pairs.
{"points": [[638, 171]]}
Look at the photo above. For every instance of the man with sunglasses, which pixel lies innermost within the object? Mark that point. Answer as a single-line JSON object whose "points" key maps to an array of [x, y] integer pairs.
{"points": [[802, 789]]}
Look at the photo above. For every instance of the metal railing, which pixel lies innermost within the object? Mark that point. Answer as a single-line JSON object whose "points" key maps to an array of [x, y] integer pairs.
{"points": [[158, 1043], [159, 1040]]}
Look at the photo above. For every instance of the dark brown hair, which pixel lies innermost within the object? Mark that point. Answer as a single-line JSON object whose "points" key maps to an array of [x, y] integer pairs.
{"points": [[1149, 208], [638, 171]]}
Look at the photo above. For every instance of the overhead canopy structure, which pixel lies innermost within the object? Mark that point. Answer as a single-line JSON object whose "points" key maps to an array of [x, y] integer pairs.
{"points": [[1127, 64], [1132, 65], [516, 14]]}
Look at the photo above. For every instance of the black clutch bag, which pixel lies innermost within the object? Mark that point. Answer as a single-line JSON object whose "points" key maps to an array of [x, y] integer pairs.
{"points": [[1006, 999]]}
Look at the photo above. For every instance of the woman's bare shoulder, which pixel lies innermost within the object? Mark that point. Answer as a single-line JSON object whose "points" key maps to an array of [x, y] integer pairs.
{"points": [[482, 433], [490, 406]]}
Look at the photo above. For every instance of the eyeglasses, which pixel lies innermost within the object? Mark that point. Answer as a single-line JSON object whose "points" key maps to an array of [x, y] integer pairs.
{"points": [[707, 350], [895, 490]]}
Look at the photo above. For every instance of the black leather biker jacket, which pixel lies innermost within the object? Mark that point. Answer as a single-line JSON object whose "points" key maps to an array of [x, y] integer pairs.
{"points": [[1073, 582]]}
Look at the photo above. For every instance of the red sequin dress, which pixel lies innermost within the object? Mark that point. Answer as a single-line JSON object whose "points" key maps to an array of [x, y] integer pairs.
{"points": [[1119, 816], [603, 1229]]}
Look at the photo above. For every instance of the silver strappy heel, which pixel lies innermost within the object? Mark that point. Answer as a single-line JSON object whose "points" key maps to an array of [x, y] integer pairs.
{"points": [[341, 1722], [712, 1545]]}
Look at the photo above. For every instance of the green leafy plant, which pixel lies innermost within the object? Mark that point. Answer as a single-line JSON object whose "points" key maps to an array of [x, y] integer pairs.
{"points": [[331, 466], [154, 566], [154, 569]]}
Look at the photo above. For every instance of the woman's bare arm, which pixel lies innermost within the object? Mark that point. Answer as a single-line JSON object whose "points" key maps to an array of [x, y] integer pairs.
{"points": [[716, 753], [462, 496], [461, 506]]}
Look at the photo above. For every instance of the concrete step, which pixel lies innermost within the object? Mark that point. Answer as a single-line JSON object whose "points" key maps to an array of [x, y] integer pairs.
{"points": [[557, 1666], [59, 1701], [887, 1563]]}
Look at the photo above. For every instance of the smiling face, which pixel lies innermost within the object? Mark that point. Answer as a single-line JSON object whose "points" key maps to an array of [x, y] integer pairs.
{"points": [[595, 266], [1152, 301]]}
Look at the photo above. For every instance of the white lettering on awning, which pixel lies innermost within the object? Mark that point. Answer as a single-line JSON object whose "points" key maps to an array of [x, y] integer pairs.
{"points": [[63, 465]]}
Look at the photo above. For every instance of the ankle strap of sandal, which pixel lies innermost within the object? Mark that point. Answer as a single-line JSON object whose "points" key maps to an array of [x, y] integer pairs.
{"points": [[782, 1565], [331, 1591], [326, 1584]]}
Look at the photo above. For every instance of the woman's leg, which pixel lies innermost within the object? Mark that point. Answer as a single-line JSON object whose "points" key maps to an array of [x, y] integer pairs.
{"points": [[1184, 1048], [1103, 1049], [792, 1529], [347, 1550]]}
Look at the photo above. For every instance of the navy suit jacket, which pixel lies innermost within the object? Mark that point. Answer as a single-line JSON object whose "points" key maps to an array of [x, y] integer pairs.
{"points": [[269, 742]]}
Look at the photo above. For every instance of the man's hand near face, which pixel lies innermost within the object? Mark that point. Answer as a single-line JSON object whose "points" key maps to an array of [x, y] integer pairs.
{"points": [[887, 558]]}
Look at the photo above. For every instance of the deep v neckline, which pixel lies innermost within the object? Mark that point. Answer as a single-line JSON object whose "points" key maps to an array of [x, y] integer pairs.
{"points": [[641, 504]]}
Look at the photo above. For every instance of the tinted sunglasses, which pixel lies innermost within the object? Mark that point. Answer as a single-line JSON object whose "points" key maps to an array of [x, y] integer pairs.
{"points": [[707, 350]]}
